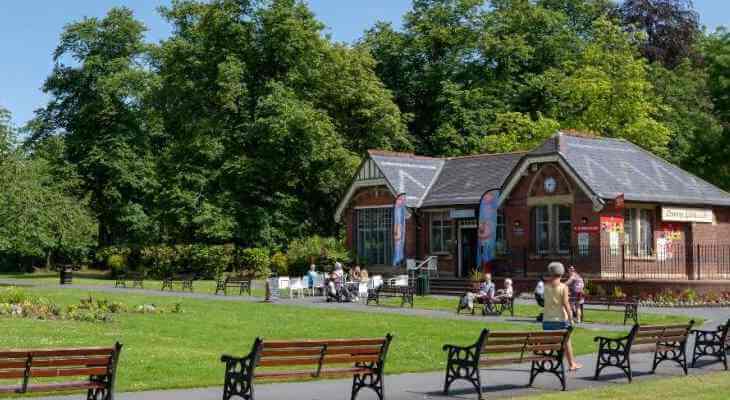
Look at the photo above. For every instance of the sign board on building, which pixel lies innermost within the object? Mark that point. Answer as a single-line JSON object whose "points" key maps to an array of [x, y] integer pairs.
{"points": [[461, 214], [685, 214], [587, 228]]}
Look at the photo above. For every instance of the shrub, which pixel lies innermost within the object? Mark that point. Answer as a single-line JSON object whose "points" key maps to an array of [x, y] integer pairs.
{"points": [[210, 261], [159, 261], [318, 250], [280, 263], [114, 258], [257, 261]]}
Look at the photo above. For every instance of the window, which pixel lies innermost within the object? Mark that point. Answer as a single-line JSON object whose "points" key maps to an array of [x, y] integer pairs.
{"points": [[552, 228], [639, 231], [374, 235], [441, 232]]}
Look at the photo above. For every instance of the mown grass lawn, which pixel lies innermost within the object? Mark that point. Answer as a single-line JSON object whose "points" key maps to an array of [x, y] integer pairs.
{"points": [[183, 350], [595, 315], [714, 386]]}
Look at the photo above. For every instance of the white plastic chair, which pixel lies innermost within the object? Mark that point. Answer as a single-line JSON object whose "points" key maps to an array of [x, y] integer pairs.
{"points": [[284, 282], [400, 280], [375, 282], [296, 286]]}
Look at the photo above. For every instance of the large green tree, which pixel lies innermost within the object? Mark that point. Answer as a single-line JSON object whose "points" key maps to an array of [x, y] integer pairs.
{"points": [[264, 120], [98, 89]]}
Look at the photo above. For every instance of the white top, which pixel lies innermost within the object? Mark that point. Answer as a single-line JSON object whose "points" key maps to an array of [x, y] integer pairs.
{"points": [[540, 288]]}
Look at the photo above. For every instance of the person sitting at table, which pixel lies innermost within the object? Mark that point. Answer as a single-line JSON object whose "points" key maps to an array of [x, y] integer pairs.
{"points": [[356, 274], [507, 293], [486, 288], [364, 275]]}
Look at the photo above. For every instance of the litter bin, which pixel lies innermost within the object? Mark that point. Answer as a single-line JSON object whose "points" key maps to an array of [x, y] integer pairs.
{"points": [[423, 285], [66, 276]]}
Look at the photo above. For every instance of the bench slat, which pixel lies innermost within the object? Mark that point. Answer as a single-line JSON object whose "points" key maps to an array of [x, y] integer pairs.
{"points": [[314, 351], [58, 372], [337, 359], [88, 351], [51, 387], [525, 334], [56, 362], [295, 374], [280, 344], [662, 327], [512, 360], [519, 349]]}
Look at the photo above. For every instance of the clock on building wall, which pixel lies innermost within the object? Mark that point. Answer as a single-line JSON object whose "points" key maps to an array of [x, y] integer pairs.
{"points": [[550, 184]]}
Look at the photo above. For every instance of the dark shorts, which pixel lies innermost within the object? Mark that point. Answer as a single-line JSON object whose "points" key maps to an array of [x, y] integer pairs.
{"points": [[555, 325]]}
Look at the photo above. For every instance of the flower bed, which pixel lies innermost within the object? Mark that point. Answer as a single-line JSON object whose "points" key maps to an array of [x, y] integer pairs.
{"points": [[686, 298], [16, 303]]}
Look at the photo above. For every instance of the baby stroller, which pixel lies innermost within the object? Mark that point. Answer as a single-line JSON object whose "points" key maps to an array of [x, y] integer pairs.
{"points": [[336, 291]]}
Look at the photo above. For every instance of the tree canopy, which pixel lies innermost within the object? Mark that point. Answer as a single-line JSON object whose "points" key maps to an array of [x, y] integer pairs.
{"points": [[247, 123]]}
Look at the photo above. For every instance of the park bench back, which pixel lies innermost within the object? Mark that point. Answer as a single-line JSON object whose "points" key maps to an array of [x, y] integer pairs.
{"points": [[98, 363], [325, 356], [516, 347], [650, 336], [363, 359]]}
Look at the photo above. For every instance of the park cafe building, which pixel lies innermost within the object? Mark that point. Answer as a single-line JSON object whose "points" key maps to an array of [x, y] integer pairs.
{"points": [[614, 210]]}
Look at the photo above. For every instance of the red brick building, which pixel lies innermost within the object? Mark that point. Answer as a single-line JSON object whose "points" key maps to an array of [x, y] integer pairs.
{"points": [[614, 210]]}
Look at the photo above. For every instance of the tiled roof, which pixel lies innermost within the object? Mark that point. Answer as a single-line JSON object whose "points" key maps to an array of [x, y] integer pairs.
{"points": [[464, 180], [613, 166], [408, 173], [608, 167]]}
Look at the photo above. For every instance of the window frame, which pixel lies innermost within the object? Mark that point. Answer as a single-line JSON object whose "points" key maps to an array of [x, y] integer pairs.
{"points": [[374, 224], [637, 241], [445, 223], [552, 224]]}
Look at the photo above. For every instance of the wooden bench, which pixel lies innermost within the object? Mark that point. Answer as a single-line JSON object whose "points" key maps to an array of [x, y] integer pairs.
{"points": [[137, 279], [98, 364], [630, 306], [543, 349], [363, 359], [243, 284], [185, 281], [715, 344], [406, 294], [667, 342]]}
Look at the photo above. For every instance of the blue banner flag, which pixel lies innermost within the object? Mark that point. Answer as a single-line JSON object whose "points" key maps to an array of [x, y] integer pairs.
{"points": [[399, 230], [487, 239]]}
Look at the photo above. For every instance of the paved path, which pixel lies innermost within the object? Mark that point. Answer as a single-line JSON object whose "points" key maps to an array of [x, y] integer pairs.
{"points": [[500, 382]]}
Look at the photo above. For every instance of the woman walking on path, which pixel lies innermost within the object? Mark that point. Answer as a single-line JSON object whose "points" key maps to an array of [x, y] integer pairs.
{"points": [[558, 313]]}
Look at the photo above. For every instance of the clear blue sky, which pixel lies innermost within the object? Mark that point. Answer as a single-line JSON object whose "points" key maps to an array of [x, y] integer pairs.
{"points": [[29, 31]]}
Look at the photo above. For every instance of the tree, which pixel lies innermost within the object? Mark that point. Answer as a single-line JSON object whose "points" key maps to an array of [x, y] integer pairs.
{"points": [[671, 28], [97, 104], [264, 120], [606, 90], [38, 219]]}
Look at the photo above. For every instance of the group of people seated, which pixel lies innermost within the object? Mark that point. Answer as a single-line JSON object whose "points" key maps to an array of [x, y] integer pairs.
{"points": [[339, 285], [488, 294]]}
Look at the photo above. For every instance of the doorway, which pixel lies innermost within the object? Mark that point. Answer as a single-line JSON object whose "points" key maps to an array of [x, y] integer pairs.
{"points": [[467, 250]]}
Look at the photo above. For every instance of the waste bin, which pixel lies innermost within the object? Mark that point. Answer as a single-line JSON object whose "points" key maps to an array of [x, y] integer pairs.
{"points": [[66, 276], [423, 285]]}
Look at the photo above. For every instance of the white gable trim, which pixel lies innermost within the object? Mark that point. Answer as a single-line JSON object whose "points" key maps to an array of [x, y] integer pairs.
{"points": [[557, 158], [358, 184]]}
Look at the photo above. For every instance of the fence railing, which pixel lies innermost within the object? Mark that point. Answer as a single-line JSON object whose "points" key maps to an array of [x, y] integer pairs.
{"points": [[669, 262]]}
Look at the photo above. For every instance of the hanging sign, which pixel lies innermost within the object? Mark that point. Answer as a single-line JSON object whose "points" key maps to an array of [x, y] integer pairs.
{"points": [[399, 230], [619, 201], [685, 214], [461, 214], [487, 233]]}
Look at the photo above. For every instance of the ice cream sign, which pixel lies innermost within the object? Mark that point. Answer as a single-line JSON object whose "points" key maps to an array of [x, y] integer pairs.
{"points": [[684, 214]]}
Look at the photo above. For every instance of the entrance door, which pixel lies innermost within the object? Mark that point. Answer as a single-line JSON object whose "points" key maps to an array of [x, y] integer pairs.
{"points": [[468, 251]]}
